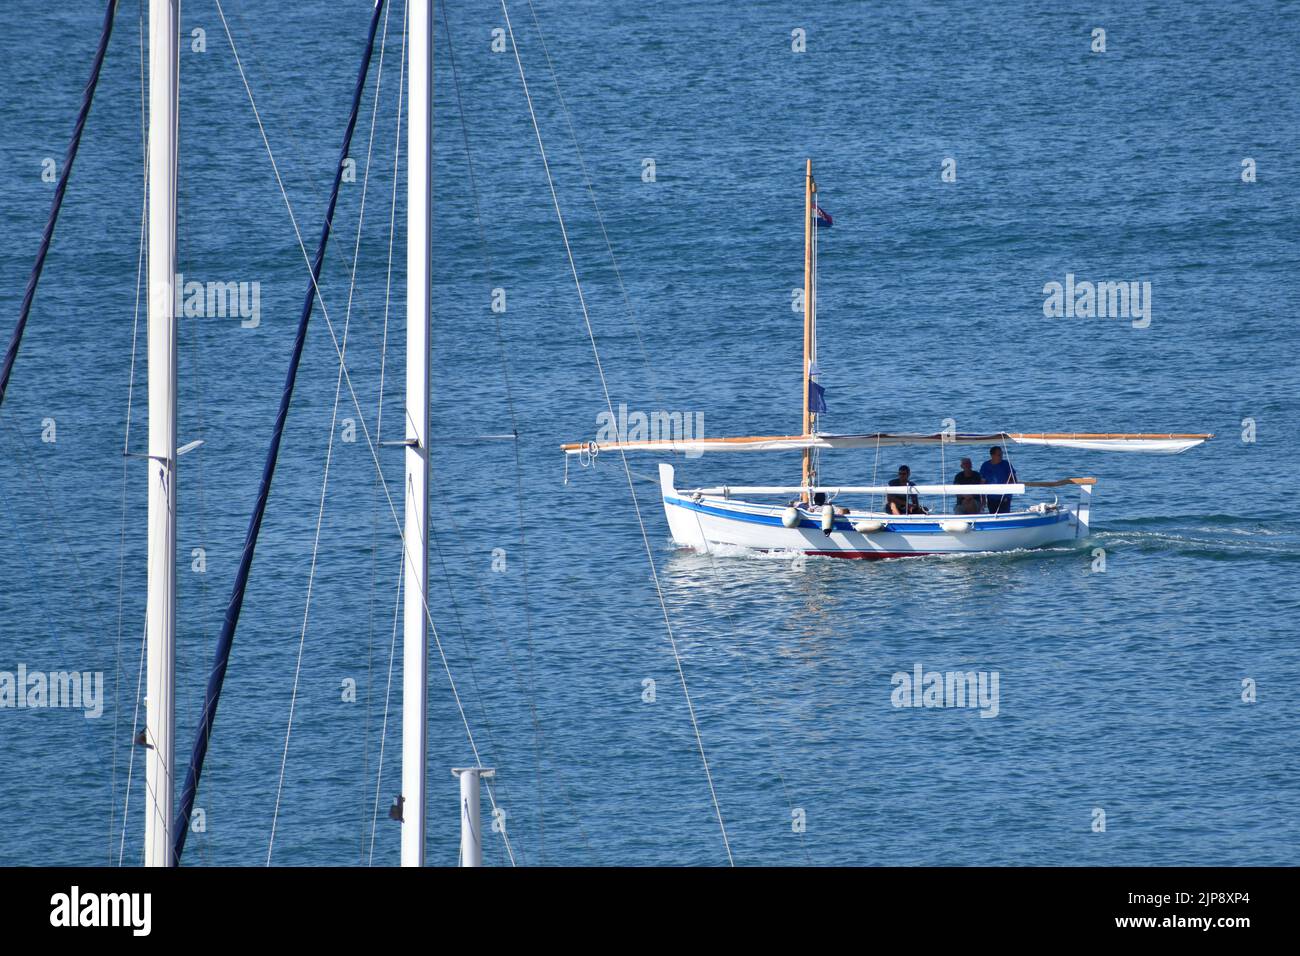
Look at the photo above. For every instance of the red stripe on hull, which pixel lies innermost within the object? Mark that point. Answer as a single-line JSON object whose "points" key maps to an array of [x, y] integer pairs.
{"points": [[852, 555], [873, 555]]}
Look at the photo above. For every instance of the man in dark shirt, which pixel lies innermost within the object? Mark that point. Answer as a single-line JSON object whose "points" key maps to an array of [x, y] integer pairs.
{"points": [[997, 471], [968, 504], [903, 504]]}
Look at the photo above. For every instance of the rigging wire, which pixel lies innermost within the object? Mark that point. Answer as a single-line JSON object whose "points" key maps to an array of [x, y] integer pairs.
{"points": [[654, 574], [126, 447], [627, 301], [374, 511], [29, 293], [226, 638], [510, 657], [304, 158], [456, 609], [69, 157], [383, 732], [194, 373], [460, 627], [600, 216], [168, 769], [329, 448], [531, 685], [361, 419], [141, 739]]}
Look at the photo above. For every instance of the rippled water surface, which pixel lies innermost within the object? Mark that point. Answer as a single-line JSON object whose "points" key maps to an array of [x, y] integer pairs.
{"points": [[1120, 691]]}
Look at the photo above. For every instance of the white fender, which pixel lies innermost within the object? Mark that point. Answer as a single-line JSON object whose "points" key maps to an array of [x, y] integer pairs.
{"points": [[828, 519], [870, 527], [790, 517], [956, 527]]}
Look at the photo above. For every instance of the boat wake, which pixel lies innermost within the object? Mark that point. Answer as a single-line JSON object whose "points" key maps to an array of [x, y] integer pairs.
{"points": [[1196, 543], [1208, 523]]}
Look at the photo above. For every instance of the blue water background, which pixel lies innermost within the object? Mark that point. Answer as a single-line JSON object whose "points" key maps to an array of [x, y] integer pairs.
{"points": [[1119, 691]]}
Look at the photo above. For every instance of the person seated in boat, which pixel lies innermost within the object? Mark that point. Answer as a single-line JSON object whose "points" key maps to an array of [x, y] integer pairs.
{"points": [[819, 500], [968, 504], [997, 471], [903, 504]]}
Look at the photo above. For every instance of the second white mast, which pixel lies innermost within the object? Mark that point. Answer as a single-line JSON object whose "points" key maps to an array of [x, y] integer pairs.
{"points": [[415, 565], [160, 614]]}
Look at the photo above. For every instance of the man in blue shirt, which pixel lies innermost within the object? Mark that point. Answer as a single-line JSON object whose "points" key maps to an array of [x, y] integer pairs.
{"points": [[997, 471]]}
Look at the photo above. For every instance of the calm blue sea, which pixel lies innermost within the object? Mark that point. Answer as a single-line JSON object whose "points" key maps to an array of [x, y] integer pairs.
{"points": [[1159, 697]]}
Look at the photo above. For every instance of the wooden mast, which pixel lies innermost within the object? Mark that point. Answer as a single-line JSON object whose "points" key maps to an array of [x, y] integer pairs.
{"points": [[809, 189]]}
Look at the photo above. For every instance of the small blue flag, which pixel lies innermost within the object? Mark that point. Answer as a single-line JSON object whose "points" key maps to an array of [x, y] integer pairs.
{"points": [[822, 217], [816, 398]]}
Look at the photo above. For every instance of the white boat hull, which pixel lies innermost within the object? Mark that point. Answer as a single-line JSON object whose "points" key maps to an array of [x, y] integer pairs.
{"points": [[707, 522]]}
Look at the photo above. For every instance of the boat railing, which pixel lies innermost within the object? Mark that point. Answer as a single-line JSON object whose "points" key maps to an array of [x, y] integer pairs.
{"points": [[834, 491]]}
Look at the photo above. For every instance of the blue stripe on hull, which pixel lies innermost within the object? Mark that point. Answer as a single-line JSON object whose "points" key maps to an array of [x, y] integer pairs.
{"points": [[902, 528]]}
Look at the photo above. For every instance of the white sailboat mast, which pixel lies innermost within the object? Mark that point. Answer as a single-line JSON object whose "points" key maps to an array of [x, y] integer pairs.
{"points": [[419, 254], [471, 827], [160, 622]]}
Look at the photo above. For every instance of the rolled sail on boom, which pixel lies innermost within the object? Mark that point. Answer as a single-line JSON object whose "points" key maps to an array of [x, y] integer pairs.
{"points": [[1149, 443]]}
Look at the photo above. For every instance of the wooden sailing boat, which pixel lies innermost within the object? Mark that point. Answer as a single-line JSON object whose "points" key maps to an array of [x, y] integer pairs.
{"points": [[817, 521]]}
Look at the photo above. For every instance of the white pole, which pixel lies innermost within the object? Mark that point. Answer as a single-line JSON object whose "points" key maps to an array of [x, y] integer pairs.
{"points": [[160, 619], [419, 252], [471, 830]]}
